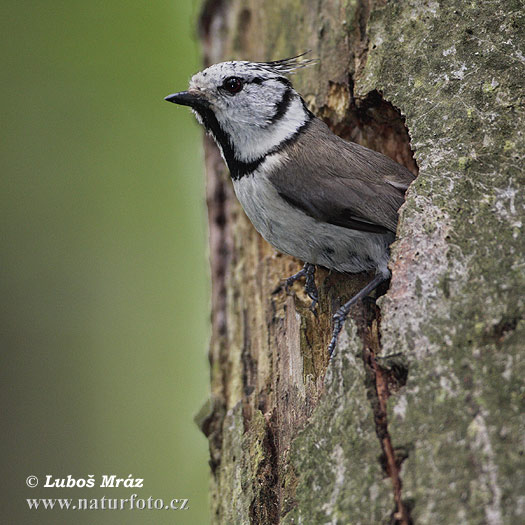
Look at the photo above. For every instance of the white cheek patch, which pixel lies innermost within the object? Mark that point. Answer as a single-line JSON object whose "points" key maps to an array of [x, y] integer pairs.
{"points": [[253, 142]]}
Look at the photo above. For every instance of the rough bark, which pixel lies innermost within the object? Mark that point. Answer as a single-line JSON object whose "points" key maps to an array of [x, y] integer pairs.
{"points": [[419, 415]]}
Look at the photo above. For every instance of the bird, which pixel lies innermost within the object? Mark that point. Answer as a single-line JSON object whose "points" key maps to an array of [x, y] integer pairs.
{"points": [[308, 192]]}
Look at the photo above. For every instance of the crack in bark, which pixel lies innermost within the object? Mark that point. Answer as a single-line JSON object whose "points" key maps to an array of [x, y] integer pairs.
{"points": [[361, 40], [379, 380], [374, 122], [265, 506]]}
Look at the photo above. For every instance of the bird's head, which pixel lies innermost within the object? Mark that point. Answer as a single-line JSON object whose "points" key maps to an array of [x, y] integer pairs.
{"points": [[248, 107]]}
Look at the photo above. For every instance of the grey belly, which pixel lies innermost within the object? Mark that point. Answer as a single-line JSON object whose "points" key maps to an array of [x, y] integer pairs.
{"points": [[295, 233]]}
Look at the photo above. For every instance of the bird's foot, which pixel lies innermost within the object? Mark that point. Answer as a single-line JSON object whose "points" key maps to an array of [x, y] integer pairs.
{"points": [[288, 283], [339, 320], [341, 314], [310, 288]]}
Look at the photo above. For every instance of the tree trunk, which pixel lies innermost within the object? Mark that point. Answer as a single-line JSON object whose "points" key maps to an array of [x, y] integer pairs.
{"points": [[418, 418]]}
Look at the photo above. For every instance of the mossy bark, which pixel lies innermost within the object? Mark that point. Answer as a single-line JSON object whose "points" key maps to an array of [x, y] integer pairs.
{"points": [[419, 415]]}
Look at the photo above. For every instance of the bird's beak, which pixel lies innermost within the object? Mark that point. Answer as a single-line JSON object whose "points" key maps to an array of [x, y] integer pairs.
{"points": [[185, 98]]}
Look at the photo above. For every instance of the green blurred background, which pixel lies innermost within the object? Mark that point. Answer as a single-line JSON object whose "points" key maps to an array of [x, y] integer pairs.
{"points": [[104, 275]]}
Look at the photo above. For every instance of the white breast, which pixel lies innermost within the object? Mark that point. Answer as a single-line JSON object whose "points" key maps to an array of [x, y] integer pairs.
{"points": [[295, 233]]}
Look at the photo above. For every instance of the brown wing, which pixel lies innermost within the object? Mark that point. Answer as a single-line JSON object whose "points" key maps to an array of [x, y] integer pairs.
{"points": [[341, 182]]}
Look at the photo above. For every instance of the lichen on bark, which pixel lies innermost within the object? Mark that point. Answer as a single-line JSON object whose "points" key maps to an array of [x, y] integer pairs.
{"points": [[294, 439]]}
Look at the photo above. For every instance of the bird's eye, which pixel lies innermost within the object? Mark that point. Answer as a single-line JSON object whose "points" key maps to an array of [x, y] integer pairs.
{"points": [[232, 85]]}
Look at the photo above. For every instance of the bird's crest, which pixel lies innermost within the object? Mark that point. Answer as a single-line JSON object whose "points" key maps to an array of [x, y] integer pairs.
{"points": [[286, 65]]}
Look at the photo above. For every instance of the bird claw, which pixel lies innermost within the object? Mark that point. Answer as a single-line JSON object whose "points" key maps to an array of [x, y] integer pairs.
{"points": [[339, 320], [341, 314], [288, 283], [307, 271], [311, 288]]}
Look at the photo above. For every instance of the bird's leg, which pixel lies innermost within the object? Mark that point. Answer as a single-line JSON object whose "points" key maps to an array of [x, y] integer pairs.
{"points": [[341, 314], [310, 288], [295, 277]]}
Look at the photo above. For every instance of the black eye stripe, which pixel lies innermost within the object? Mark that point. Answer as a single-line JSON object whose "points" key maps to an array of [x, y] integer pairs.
{"points": [[259, 80]]}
